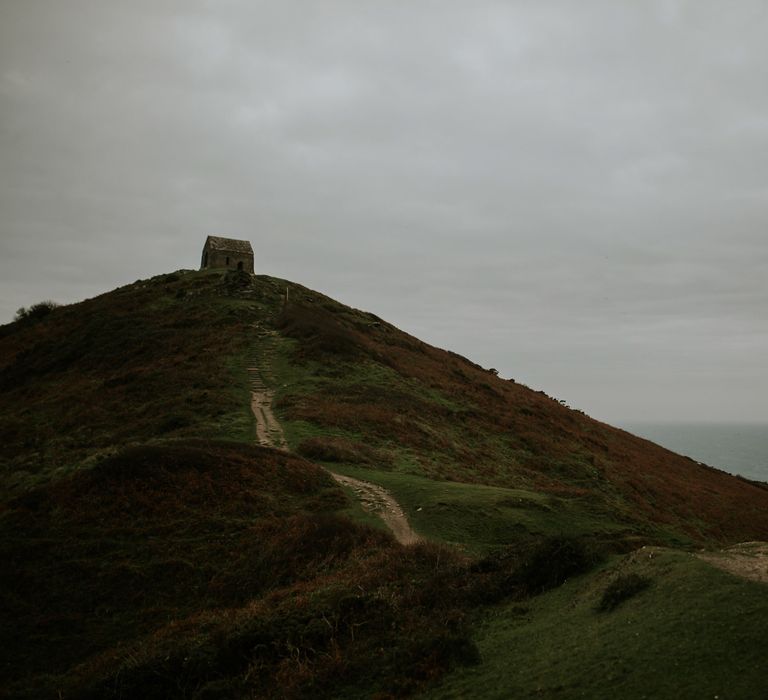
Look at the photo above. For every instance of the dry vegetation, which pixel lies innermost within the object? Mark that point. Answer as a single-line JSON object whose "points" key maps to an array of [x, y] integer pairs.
{"points": [[151, 551], [461, 422], [184, 569]]}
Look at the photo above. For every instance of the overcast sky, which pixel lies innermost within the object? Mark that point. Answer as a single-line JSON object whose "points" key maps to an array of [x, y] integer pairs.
{"points": [[575, 193]]}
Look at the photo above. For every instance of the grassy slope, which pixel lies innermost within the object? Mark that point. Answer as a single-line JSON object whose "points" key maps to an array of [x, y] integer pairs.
{"points": [[212, 567], [98, 555], [356, 391], [695, 632], [161, 358], [481, 518], [143, 559]]}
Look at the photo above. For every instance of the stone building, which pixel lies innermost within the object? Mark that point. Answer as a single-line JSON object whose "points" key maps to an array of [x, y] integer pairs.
{"points": [[227, 253]]}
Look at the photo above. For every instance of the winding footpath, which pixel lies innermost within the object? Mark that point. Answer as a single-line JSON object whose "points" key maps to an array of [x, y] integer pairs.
{"points": [[376, 499], [748, 560], [268, 430], [373, 498]]}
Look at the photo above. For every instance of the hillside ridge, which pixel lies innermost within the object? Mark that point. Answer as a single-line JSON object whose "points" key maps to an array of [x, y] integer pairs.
{"points": [[350, 389], [153, 548], [269, 433]]}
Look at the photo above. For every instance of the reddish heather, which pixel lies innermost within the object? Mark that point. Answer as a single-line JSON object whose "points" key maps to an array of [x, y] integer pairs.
{"points": [[503, 433]]}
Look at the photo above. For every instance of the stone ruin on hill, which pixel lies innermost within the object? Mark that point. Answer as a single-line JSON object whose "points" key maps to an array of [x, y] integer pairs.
{"points": [[227, 254]]}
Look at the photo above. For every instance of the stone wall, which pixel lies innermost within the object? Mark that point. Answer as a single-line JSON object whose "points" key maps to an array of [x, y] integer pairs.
{"points": [[229, 260]]}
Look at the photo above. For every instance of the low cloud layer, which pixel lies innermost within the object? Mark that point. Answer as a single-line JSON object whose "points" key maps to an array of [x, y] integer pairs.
{"points": [[573, 194]]}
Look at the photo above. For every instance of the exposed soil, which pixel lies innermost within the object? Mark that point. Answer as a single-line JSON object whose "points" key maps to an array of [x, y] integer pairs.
{"points": [[268, 430], [747, 559], [269, 433], [378, 500]]}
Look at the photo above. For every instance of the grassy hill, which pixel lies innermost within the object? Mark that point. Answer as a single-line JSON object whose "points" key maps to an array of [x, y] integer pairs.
{"points": [[151, 550], [354, 390]]}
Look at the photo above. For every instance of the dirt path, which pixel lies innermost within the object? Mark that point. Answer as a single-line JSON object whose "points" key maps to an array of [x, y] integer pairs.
{"points": [[748, 560], [376, 499], [269, 433], [268, 430]]}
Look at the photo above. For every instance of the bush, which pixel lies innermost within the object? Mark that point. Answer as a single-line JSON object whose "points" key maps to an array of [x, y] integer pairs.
{"points": [[622, 588], [526, 569], [235, 281], [36, 311], [551, 562]]}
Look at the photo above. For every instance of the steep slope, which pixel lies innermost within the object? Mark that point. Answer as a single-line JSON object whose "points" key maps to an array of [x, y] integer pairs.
{"points": [[685, 630], [168, 358], [155, 359], [355, 390], [151, 548], [211, 569]]}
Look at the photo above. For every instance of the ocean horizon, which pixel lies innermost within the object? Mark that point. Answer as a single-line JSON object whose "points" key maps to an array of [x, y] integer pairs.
{"points": [[737, 448]]}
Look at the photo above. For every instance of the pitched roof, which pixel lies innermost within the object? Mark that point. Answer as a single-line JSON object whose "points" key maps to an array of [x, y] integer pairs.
{"points": [[229, 244]]}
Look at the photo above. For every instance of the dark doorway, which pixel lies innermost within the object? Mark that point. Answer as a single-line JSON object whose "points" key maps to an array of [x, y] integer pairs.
{"points": [[240, 265], [227, 260]]}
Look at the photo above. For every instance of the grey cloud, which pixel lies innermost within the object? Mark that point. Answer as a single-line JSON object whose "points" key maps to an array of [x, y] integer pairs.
{"points": [[573, 194]]}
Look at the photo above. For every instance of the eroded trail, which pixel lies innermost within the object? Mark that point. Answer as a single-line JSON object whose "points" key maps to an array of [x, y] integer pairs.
{"points": [[378, 500], [747, 559], [269, 433], [268, 430]]}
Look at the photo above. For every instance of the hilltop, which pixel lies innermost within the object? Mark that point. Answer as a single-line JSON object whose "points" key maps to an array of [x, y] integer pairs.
{"points": [[154, 547]]}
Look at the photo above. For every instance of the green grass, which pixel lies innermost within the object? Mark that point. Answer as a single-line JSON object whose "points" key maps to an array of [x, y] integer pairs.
{"points": [[162, 359], [695, 632], [193, 564], [482, 518], [355, 511], [341, 373]]}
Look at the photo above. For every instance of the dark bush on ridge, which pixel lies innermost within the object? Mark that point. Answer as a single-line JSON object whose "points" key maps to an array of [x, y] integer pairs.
{"points": [[36, 311]]}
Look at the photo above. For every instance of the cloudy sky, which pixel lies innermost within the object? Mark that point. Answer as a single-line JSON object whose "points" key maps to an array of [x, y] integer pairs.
{"points": [[575, 193]]}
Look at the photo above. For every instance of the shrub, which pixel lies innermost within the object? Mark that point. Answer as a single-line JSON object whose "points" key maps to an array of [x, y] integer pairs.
{"points": [[235, 281], [551, 562], [620, 589], [36, 311]]}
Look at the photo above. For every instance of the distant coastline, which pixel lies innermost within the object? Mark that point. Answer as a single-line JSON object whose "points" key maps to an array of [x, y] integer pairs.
{"points": [[735, 448]]}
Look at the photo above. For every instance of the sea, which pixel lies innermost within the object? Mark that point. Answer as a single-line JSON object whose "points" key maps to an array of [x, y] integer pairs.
{"points": [[735, 448]]}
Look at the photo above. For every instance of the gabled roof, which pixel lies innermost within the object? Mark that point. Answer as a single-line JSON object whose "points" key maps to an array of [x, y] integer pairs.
{"points": [[228, 244]]}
